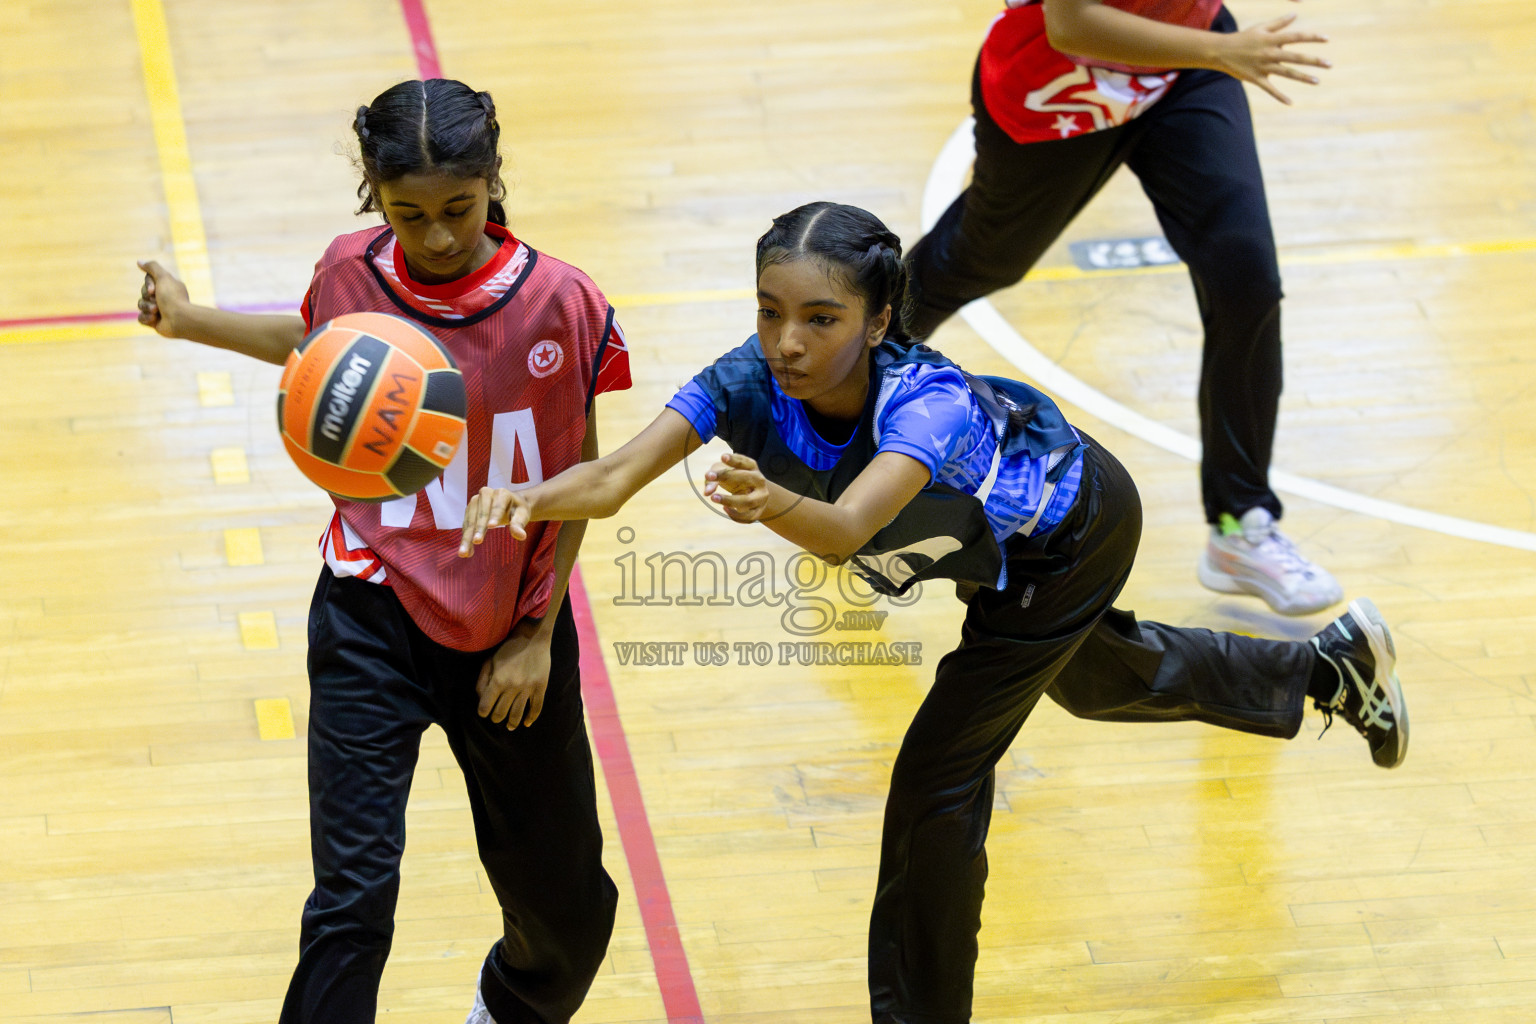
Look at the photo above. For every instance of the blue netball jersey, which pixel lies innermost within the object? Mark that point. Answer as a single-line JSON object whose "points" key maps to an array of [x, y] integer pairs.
{"points": [[1002, 461]]}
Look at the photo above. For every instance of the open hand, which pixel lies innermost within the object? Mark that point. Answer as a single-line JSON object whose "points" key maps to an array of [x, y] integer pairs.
{"points": [[1259, 51], [513, 680], [492, 507], [735, 484]]}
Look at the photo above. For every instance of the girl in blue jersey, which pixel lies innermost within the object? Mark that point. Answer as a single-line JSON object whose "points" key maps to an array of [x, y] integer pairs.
{"points": [[864, 448]]}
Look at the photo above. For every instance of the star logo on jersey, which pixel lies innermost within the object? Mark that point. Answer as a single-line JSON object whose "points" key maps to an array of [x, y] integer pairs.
{"points": [[545, 358], [1106, 98], [1066, 124]]}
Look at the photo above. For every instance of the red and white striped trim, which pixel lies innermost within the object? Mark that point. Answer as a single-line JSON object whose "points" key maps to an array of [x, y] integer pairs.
{"points": [[347, 555]]}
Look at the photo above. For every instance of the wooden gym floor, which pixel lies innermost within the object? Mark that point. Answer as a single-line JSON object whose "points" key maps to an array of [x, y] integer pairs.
{"points": [[157, 550]]}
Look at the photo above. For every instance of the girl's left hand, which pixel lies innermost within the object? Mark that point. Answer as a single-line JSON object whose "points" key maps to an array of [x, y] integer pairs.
{"points": [[513, 680], [1256, 52], [735, 484]]}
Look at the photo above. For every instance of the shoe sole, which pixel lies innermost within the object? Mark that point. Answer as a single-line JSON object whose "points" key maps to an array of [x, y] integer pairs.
{"points": [[1213, 578], [1379, 637]]}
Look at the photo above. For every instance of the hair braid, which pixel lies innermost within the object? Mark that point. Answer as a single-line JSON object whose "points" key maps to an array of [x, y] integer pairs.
{"points": [[852, 242], [437, 126]]}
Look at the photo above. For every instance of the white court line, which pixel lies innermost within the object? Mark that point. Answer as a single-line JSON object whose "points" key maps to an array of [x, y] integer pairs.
{"points": [[945, 182]]}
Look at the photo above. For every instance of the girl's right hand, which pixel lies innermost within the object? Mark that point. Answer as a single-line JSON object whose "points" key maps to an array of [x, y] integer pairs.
{"points": [[1255, 53], [738, 487], [161, 299], [493, 506]]}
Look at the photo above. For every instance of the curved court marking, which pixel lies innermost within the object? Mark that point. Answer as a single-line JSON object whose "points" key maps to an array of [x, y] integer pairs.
{"points": [[945, 182]]}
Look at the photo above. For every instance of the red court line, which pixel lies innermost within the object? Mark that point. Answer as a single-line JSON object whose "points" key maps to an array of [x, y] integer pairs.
{"points": [[667, 954], [131, 314], [421, 39], [72, 318]]}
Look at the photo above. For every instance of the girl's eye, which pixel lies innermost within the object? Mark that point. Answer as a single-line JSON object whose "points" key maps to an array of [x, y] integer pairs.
{"points": [[766, 313], [457, 213], [823, 319], [409, 218]]}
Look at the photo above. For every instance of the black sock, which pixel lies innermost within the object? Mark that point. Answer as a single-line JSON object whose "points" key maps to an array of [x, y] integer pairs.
{"points": [[1324, 683]]}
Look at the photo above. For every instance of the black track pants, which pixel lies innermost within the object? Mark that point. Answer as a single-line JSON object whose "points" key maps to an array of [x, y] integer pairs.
{"points": [[1094, 660], [376, 683], [1194, 153]]}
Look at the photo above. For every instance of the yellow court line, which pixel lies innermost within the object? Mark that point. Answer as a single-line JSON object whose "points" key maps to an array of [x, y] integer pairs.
{"points": [[229, 466], [242, 546], [1415, 251], [274, 718], [1343, 255], [215, 388], [37, 333], [189, 242], [681, 298], [258, 631], [1407, 251]]}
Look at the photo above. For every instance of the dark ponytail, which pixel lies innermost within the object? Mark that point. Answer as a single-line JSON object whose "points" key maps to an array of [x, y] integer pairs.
{"points": [[854, 244], [439, 126]]}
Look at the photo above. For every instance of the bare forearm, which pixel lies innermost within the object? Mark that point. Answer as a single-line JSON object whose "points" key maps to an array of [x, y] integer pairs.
{"points": [[571, 533], [567, 545], [1090, 29], [598, 488], [588, 490], [268, 338], [593, 489], [828, 531], [833, 531]]}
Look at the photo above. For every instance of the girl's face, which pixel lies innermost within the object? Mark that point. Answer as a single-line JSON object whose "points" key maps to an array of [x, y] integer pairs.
{"points": [[816, 336], [439, 223]]}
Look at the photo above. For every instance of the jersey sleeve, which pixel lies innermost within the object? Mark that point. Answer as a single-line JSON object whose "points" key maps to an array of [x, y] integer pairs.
{"points": [[334, 253], [612, 365], [697, 407], [705, 401], [926, 417]]}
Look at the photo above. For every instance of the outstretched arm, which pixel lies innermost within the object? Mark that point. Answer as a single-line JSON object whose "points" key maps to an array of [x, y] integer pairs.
{"points": [[1089, 28], [165, 306], [833, 531], [588, 490]]}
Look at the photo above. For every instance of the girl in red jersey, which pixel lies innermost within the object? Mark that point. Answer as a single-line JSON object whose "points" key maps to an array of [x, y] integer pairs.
{"points": [[403, 633], [1065, 92]]}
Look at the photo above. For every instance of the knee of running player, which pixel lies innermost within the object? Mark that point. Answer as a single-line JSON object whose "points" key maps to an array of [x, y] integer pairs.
{"points": [[1239, 267]]}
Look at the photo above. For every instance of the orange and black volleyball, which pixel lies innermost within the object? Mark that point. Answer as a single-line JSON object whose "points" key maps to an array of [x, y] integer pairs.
{"points": [[371, 407]]}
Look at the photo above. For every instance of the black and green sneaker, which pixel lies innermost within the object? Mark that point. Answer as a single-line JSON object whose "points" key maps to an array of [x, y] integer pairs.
{"points": [[1359, 647]]}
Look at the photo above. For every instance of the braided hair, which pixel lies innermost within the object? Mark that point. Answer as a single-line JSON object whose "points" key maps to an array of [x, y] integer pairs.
{"points": [[439, 126], [853, 244]]}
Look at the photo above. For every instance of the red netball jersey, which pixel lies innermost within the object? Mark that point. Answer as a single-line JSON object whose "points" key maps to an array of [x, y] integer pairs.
{"points": [[1036, 93], [535, 340]]}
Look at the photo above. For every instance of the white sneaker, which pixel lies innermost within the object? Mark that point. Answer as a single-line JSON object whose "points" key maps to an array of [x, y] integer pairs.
{"points": [[478, 1014], [1251, 556]]}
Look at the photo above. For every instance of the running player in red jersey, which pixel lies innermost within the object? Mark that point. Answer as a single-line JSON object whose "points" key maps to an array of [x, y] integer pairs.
{"points": [[1065, 92], [402, 632]]}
